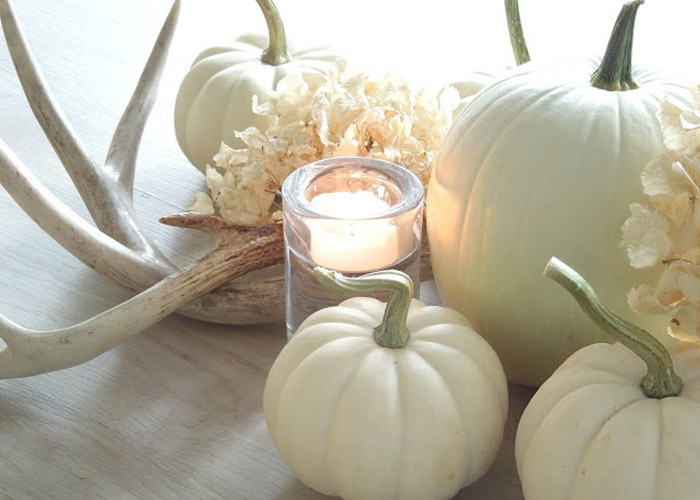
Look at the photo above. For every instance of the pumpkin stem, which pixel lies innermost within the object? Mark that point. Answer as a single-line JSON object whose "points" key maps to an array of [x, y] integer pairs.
{"points": [[276, 52], [392, 332], [515, 28], [660, 381], [615, 70]]}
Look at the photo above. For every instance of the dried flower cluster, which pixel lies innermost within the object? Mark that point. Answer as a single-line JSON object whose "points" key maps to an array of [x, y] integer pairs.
{"points": [[667, 233], [314, 116]]}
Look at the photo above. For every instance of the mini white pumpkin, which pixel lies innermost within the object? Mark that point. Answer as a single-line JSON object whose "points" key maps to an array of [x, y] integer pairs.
{"points": [[614, 422], [215, 98], [544, 161], [411, 409]]}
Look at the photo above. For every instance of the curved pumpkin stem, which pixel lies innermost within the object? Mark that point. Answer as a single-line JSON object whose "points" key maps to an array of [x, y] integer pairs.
{"points": [[515, 28], [660, 381], [392, 332], [276, 52]]}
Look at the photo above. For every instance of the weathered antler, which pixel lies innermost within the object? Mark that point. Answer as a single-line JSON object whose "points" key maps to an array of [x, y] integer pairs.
{"points": [[120, 249], [240, 250], [108, 201]]}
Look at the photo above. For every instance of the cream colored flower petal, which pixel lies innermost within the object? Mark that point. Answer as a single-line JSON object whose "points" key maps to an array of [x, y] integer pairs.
{"points": [[314, 80], [680, 127], [251, 176], [276, 145], [240, 217], [670, 187], [689, 285], [664, 176], [265, 109], [645, 238], [222, 156], [691, 169], [643, 300], [257, 202], [215, 181], [691, 256], [292, 95], [668, 290], [685, 319], [201, 203], [302, 150], [651, 249], [349, 145], [685, 240], [252, 137], [669, 119], [689, 120], [678, 333]]}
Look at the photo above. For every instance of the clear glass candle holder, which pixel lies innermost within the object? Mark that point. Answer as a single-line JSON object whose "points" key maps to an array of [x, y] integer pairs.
{"points": [[354, 215]]}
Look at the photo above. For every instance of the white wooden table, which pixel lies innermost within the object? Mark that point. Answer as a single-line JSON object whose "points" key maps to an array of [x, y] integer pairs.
{"points": [[176, 411]]}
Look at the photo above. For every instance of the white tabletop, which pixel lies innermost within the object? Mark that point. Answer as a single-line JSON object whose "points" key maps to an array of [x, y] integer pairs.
{"points": [[176, 412]]}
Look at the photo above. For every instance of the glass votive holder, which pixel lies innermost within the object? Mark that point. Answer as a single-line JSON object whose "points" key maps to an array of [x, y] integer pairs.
{"points": [[354, 215]]}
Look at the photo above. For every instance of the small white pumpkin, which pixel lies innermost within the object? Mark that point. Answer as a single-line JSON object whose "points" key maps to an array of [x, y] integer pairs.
{"points": [[215, 98], [412, 409], [614, 422], [543, 161]]}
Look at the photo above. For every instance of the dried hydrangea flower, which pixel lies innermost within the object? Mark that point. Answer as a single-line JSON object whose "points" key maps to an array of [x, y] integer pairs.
{"points": [[313, 116], [667, 232]]}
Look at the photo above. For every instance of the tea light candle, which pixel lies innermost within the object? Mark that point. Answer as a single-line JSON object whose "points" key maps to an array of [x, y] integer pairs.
{"points": [[354, 215], [348, 244]]}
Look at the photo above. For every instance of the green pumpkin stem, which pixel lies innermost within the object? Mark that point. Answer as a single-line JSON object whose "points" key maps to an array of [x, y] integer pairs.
{"points": [[660, 381], [615, 70], [392, 332], [515, 28], [276, 52]]}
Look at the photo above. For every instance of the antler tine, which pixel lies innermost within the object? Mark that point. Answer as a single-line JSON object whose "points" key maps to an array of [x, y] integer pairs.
{"points": [[51, 119], [109, 208], [72, 232], [121, 159], [30, 352]]}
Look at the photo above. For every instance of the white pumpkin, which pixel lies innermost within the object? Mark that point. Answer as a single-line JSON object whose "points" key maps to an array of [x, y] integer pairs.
{"points": [[355, 418], [541, 162], [215, 98], [600, 427]]}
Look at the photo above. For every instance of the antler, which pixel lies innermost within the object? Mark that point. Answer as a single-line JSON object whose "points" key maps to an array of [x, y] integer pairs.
{"points": [[240, 250], [120, 249]]}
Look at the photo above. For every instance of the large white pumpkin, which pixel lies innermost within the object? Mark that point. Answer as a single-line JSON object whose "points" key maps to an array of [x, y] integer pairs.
{"points": [[541, 163], [355, 418]]}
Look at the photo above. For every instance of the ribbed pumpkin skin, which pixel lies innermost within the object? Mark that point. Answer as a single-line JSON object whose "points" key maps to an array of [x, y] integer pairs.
{"points": [[541, 164], [363, 422], [215, 98], [590, 432]]}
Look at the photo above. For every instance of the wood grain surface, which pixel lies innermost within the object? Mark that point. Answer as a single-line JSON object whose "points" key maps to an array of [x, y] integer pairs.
{"points": [[176, 412]]}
